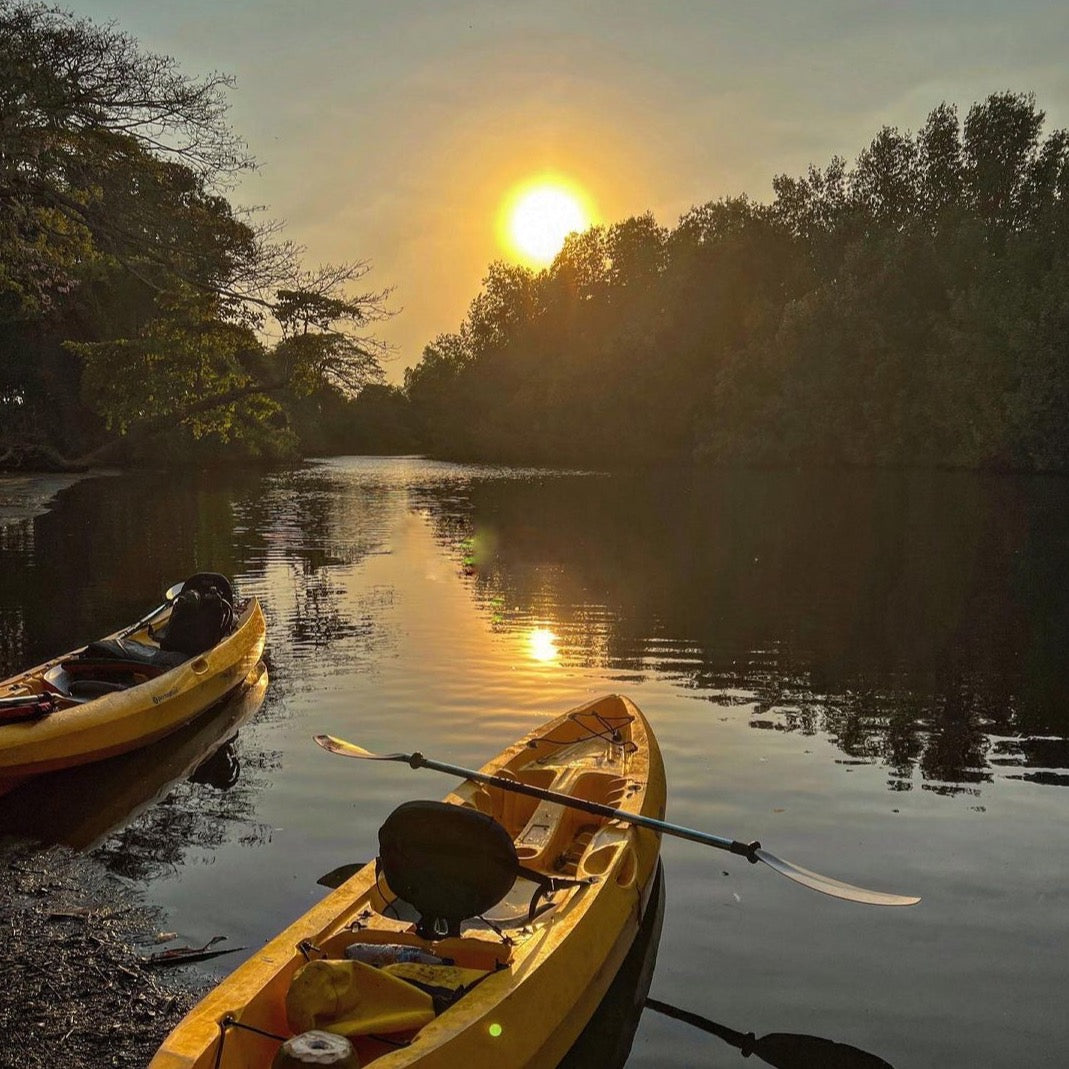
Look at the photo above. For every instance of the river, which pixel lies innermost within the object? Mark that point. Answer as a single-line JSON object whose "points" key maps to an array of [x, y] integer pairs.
{"points": [[865, 671]]}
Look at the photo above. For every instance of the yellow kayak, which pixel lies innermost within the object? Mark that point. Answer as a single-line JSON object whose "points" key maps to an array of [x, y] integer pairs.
{"points": [[112, 792], [124, 691], [485, 933]]}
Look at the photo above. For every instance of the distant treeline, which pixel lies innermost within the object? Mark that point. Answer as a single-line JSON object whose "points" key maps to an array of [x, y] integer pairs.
{"points": [[911, 309]]}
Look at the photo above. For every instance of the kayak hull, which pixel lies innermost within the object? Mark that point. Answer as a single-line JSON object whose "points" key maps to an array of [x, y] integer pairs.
{"points": [[544, 977], [80, 732]]}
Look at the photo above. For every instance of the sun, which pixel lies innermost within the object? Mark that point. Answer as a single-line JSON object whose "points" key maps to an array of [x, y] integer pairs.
{"points": [[537, 216]]}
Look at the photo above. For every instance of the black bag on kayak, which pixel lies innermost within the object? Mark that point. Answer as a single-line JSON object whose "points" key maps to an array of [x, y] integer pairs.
{"points": [[201, 615]]}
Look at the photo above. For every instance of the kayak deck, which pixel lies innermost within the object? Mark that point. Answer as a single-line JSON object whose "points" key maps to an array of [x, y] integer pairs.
{"points": [[513, 986]]}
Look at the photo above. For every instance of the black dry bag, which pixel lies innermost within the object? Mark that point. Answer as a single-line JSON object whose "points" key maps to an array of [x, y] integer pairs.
{"points": [[199, 620]]}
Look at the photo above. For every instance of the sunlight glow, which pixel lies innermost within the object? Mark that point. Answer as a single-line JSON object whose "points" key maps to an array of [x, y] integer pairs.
{"points": [[542, 644], [537, 217]]}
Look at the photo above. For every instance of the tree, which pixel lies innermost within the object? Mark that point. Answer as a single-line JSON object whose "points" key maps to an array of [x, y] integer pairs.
{"points": [[322, 344], [80, 102], [120, 254], [1000, 156]]}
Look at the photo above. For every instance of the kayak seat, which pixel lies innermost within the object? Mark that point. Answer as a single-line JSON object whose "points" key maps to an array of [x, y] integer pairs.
{"points": [[206, 582], [453, 863], [87, 689], [85, 678], [202, 615], [126, 649]]}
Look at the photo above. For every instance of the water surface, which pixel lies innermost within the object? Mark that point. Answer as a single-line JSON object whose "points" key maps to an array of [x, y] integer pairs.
{"points": [[866, 672]]}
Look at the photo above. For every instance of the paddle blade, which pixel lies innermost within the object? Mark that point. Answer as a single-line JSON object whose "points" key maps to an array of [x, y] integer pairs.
{"points": [[349, 749], [336, 877], [828, 886], [788, 1050], [784, 1050]]}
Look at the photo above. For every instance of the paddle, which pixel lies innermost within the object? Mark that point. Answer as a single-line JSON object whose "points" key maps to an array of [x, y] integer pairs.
{"points": [[785, 1050], [169, 595], [336, 877], [753, 852]]}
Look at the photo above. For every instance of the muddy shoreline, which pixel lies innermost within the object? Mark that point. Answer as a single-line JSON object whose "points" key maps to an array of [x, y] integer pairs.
{"points": [[24, 496], [74, 987]]}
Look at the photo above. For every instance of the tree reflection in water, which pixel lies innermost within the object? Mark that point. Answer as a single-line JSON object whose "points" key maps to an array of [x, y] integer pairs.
{"points": [[913, 618], [193, 816]]}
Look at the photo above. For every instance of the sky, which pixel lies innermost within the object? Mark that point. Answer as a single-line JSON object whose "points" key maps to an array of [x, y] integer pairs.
{"points": [[391, 132]]}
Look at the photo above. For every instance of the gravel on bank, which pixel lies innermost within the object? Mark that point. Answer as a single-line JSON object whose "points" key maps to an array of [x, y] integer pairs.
{"points": [[74, 987]]}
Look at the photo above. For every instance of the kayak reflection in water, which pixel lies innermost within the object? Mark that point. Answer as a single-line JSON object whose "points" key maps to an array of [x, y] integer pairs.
{"points": [[784, 1050], [221, 770]]}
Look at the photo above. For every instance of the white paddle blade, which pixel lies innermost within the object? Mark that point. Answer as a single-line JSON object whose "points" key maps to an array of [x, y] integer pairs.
{"points": [[332, 744], [828, 886]]}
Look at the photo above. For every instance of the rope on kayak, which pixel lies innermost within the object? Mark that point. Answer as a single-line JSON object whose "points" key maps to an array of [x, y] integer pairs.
{"points": [[609, 731], [229, 1022]]}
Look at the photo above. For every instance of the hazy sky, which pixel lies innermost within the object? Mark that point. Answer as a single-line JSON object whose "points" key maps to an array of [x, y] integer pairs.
{"points": [[392, 131]]}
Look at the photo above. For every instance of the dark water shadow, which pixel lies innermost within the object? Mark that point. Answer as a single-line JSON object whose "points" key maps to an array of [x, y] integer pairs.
{"points": [[80, 807], [606, 1041]]}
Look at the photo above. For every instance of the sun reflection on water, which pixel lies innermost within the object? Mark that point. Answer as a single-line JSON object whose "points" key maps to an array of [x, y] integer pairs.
{"points": [[542, 644]]}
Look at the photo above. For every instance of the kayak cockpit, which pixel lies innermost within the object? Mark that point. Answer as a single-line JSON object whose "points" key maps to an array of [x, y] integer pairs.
{"points": [[465, 886]]}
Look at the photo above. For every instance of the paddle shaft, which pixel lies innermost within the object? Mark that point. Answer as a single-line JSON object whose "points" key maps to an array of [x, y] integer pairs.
{"points": [[751, 851], [170, 594], [742, 1040], [746, 850]]}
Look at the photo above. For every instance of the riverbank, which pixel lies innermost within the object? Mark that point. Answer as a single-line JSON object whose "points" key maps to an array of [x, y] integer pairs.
{"points": [[74, 987], [24, 496]]}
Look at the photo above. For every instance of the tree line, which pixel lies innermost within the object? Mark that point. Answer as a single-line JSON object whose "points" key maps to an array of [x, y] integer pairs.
{"points": [[910, 309], [142, 315]]}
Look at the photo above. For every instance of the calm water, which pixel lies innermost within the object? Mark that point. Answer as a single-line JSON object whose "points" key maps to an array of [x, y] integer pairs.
{"points": [[866, 672]]}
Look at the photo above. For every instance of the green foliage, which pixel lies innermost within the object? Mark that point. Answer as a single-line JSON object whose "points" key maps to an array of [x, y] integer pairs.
{"points": [[377, 421], [83, 111], [185, 350], [129, 285], [909, 309], [319, 350]]}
